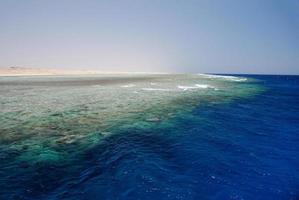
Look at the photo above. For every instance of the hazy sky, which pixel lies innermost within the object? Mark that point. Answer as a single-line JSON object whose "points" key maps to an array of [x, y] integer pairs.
{"points": [[221, 36]]}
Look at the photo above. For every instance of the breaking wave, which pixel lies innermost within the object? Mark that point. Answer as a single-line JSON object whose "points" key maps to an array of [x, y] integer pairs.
{"points": [[128, 86], [156, 89], [228, 78], [196, 86]]}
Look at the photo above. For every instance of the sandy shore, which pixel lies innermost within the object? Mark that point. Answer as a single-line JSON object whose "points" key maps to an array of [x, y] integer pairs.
{"points": [[20, 71]]}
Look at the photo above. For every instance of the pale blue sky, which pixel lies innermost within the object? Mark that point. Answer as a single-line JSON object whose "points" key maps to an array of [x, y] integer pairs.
{"points": [[216, 36]]}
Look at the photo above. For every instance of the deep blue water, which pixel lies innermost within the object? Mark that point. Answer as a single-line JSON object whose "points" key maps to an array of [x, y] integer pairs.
{"points": [[245, 149]]}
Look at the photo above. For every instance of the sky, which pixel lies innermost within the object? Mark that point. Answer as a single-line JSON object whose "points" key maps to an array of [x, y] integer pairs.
{"points": [[200, 36]]}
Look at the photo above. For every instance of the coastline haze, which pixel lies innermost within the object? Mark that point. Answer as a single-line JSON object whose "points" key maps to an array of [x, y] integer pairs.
{"points": [[182, 37]]}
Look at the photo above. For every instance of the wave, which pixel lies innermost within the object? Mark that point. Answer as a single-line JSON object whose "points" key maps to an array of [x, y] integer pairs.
{"points": [[229, 78], [196, 86], [128, 86], [156, 89]]}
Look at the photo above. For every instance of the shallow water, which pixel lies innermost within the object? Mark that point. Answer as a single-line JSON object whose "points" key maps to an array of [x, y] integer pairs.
{"points": [[149, 137]]}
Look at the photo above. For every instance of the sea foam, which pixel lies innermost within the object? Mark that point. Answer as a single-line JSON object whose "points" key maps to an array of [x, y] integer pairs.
{"points": [[155, 89], [196, 86], [228, 78], [128, 86]]}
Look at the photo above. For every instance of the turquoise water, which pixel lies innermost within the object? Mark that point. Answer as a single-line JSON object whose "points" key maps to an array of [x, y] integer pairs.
{"points": [[147, 136]]}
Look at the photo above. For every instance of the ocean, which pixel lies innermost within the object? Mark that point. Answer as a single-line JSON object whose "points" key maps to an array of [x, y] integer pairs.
{"points": [[184, 136]]}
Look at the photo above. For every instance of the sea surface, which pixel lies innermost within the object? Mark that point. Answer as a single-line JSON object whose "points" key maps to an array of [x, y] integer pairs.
{"points": [[136, 136]]}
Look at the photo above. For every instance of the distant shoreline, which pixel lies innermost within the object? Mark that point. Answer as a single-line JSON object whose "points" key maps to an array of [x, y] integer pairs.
{"points": [[24, 71], [20, 71]]}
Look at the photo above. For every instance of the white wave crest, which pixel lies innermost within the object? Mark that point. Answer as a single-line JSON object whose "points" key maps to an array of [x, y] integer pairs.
{"points": [[155, 89], [228, 78], [196, 86], [128, 86]]}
